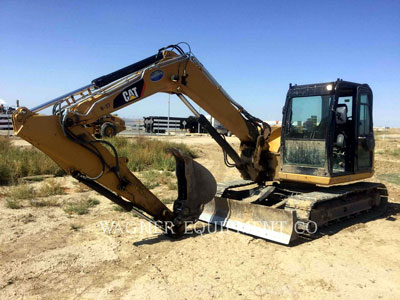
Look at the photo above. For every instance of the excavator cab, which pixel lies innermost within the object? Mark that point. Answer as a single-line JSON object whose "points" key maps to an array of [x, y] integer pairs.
{"points": [[327, 134]]}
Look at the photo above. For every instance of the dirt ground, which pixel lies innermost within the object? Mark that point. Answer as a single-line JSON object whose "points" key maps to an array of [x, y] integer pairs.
{"points": [[46, 253]]}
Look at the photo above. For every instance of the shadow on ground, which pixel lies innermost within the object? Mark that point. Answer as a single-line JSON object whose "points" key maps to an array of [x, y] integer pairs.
{"points": [[390, 215]]}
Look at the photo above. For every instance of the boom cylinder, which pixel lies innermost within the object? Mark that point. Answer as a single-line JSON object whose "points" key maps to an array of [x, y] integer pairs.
{"points": [[106, 79]]}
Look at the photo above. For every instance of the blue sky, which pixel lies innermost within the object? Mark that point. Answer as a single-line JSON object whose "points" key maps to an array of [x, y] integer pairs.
{"points": [[253, 48]]}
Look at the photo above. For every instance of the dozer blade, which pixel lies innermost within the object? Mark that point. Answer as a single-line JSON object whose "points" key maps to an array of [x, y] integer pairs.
{"points": [[262, 221]]}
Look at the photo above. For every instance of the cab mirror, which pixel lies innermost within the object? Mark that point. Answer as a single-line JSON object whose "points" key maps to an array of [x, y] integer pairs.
{"points": [[341, 115]]}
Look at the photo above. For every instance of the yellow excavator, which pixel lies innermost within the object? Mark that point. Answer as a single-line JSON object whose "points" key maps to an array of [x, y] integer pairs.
{"points": [[295, 178]]}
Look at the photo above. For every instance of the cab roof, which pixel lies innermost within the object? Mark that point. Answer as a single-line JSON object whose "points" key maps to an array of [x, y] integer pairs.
{"points": [[325, 88]]}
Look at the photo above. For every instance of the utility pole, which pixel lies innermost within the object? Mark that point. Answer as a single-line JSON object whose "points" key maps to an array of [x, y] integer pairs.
{"points": [[198, 124], [169, 104]]}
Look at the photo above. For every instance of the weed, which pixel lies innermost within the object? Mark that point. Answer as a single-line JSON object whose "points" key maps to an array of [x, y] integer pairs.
{"points": [[35, 178], [93, 202], [3, 192], [75, 227], [22, 191], [150, 175], [394, 152], [81, 207], [389, 152], [163, 178], [167, 174], [172, 186], [51, 188], [390, 177], [168, 200], [18, 162], [13, 203], [28, 218], [144, 153], [80, 187], [44, 202], [152, 179], [119, 208], [150, 184]]}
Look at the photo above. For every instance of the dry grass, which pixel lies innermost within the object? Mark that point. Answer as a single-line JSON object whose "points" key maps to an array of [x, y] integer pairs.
{"points": [[379, 133], [50, 188], [75, 227], [21, 192], [390, 177], [52, 202], [145, 154], [81, 207], [24, 191], [40, 198], [172, 186], [152, 179], [13, 203], [119, 208], [35, 178], [394, 152], [16, 194], [18, 162], [168, 200], [389, 152], [142, 153], [80, 187]]}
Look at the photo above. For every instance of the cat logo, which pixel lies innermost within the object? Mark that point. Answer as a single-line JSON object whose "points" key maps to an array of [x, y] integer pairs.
{"points": [[130, 94]]}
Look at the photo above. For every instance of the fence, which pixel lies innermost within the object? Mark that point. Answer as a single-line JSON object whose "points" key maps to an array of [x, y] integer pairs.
{"points": [[6, 122], [134, 126]]}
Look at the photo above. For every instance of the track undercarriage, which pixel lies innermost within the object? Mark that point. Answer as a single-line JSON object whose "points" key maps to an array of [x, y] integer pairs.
{"points": [[282, 212]]}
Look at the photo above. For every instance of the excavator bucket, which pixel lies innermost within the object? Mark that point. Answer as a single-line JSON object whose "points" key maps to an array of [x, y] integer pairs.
{"points": [[262, 221], [196, 187]]}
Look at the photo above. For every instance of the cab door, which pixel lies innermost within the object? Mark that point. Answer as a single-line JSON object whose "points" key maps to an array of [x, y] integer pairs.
{"points": [[364, 131]]}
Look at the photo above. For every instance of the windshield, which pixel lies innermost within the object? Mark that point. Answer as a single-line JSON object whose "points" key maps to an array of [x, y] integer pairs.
{"points": [[307, 130], [309, 117]]}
